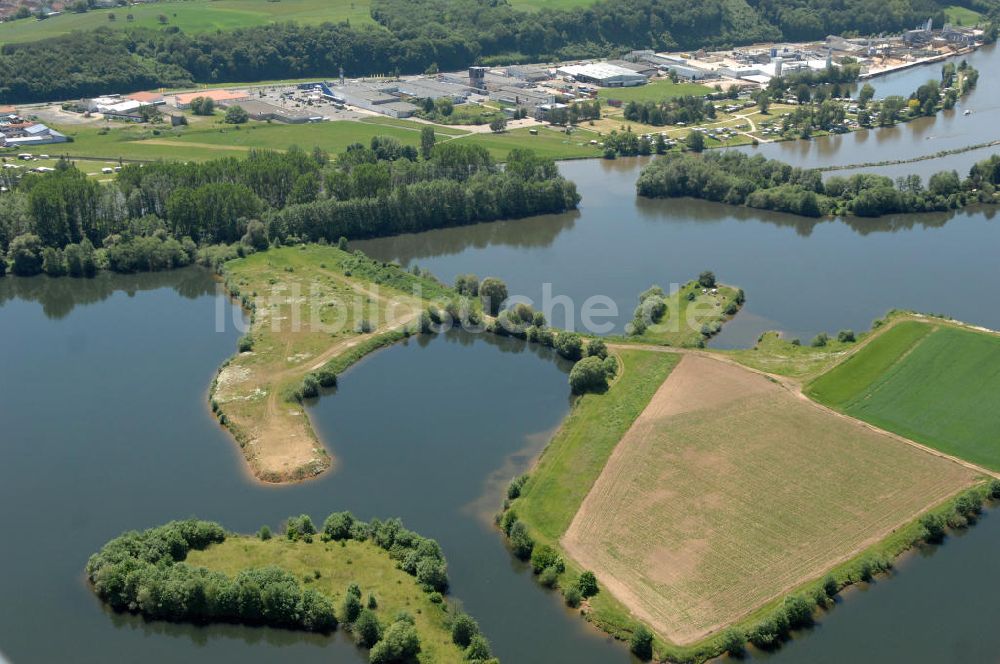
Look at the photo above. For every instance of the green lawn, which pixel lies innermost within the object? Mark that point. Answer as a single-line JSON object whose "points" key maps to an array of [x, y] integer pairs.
{"points": [[654, 91], [963, 16], [936, 385], [192, 16], [577, 454], [546, 143], [685, 319], [363, 563]]}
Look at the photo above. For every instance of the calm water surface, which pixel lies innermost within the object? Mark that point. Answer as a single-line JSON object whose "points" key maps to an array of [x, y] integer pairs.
{"points": [[801, 276], [104, 425]]}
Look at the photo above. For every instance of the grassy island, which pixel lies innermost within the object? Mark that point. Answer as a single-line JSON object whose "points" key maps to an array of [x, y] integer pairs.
{"points": [[378, 580], [704, 501], [686, 317]]}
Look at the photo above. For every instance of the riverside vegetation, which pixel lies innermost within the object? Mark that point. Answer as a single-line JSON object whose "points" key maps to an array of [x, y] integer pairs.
{"points": [[737, 179], [383, 583], [166, 214]]}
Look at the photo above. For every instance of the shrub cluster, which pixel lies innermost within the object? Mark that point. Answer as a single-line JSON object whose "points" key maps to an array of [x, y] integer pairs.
{"points": [[144, 572]]}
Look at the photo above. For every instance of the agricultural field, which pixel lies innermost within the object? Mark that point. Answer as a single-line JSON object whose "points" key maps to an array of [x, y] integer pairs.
{"points": [[926, 381], [729, 491], [329, 567], [192, 16], [656, 90], [317, 309]]}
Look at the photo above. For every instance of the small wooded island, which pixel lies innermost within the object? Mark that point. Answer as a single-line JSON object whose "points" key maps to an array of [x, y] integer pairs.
{"points": [[383, 583]]}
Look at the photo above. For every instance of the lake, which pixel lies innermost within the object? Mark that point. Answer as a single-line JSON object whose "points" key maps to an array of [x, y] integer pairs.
{"points": [[105, 425]]}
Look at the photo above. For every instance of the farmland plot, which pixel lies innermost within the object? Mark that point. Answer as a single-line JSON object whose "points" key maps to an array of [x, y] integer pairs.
{"points": [[730, 490]]}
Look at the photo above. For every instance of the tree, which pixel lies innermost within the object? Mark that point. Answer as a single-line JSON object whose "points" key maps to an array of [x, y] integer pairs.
{"points": [[400, 643], [588, 375], [819, 340], [162, 18], [367, 630], [338, 526], [236, 115], [846, 336], [733, 641], [498, 125], [26, 255], [444, 106], [264, 533], [706, 279], [569, 345], [493, 292], [479, 649], [641, 643], [203, 106], [256, 236], [587, 583], [520, 541], [695, 141], [427, 140], [463, 629]]}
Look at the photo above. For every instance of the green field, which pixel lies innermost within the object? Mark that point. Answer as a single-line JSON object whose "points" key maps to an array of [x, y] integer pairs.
{"points": [[655, 91], [535, 5], [685, 319], [931, 383], [577, 454], [192, 16], [363, 563], [201, 141], [963, 16]]}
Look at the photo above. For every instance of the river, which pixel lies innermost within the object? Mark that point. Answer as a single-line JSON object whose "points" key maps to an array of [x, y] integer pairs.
{"points": [[105, 427]]}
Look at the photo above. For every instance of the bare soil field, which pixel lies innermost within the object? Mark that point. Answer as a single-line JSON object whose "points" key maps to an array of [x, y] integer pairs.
{"points": [[731, 490]]}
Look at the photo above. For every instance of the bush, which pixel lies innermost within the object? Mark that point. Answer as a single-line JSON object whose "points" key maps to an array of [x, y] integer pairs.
{"points": [[572, 596], [820, 340], [478, 650], [300, 528], [610, 366], [934, 527], [367, 630], [569, 345], [463, 629], [264, 533], [350, 608], [588, 375], [587, 583], [520, 541], [706, 279], [993, 489], [338, 526], [799, 611], [549, 576], [236, 115], [846, 336], [597, 348], [246, 343], [493, 292], [26, 255], [830, 586], [400, 643], [733, 641], [543, 556], [641, 643], [515, 487]]}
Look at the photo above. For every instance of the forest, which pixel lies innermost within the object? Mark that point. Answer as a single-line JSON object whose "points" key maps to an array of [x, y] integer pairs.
{"points": [[412, 36], [168, 214], [768, 184]]}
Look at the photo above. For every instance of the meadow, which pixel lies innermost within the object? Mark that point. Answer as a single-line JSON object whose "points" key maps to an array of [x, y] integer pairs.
{"points": [[202, 140], [192, 16], [963, 16], [729, 491], [925, 381], [690, 314], [329, 567]]}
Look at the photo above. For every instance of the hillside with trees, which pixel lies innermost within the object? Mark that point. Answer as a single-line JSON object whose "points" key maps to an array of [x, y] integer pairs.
{"points": [[412, 36]]}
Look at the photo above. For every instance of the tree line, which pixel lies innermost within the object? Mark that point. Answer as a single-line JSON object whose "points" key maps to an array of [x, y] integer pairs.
{"points": [[738, 179], [412, 36], [167, 214]]}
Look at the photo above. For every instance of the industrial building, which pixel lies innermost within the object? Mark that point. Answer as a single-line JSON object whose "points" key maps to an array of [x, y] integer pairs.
{"points": [[26, 135], [262, 111], [427, 88], [384, 99], [521, 96], [604, 74], [220, 97]]}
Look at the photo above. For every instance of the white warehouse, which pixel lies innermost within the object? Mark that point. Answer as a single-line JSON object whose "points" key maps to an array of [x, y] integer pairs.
{"points": [[603, 74]]}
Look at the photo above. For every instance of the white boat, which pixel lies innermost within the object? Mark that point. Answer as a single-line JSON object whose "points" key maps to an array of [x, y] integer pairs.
{"points": [[967, 112]]}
